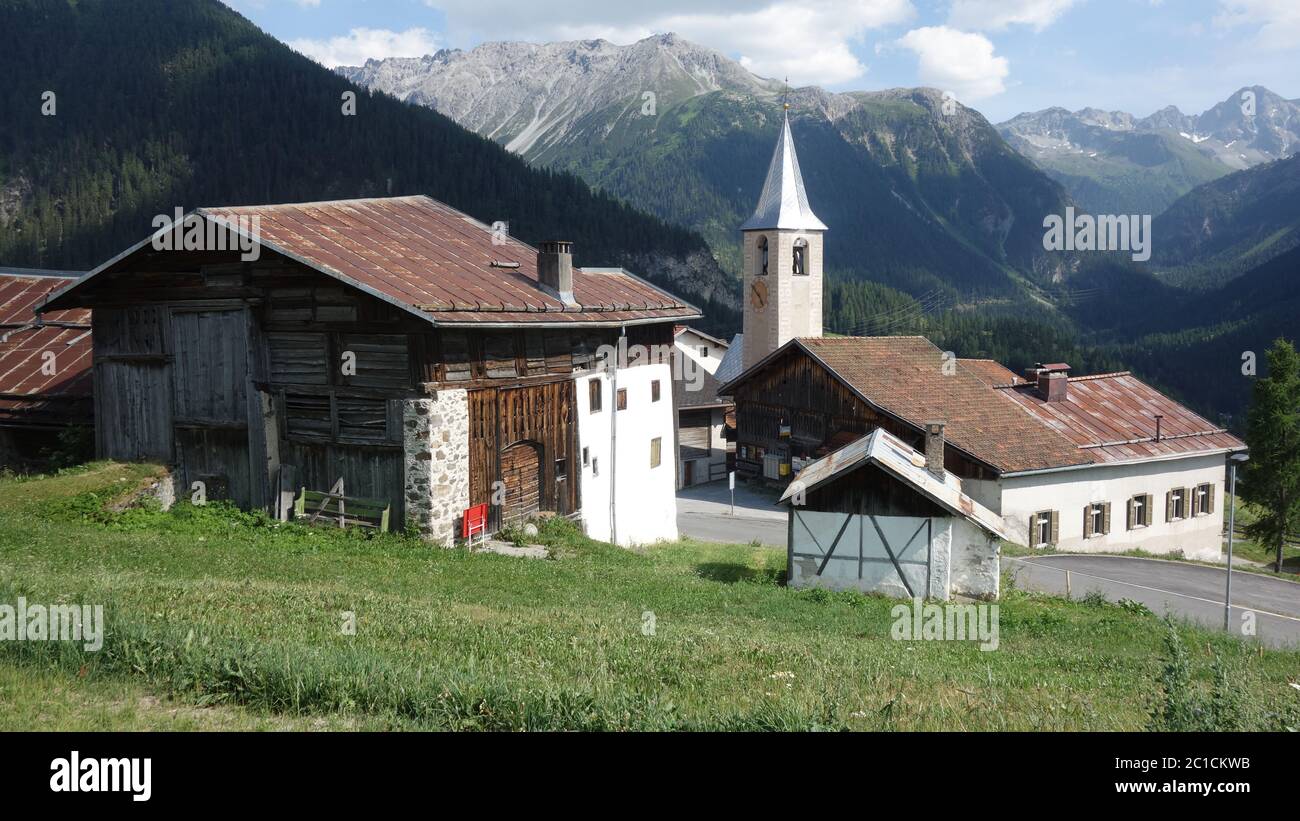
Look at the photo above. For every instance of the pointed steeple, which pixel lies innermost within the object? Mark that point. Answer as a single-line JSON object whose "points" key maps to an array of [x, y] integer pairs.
{"points": [[784, 202]]}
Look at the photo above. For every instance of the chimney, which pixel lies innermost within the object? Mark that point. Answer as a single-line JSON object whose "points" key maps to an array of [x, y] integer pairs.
{"points": [[934, 448], [1052, 386], [1031, 375], [1158, 418], [555, 269], [1053, 381]]}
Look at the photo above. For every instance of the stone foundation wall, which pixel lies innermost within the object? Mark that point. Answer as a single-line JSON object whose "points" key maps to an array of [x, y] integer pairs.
{"points": [[436, 446]]}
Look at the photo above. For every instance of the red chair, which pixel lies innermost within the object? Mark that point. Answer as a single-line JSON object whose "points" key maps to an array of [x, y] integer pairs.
{"points": [[474, 521]]}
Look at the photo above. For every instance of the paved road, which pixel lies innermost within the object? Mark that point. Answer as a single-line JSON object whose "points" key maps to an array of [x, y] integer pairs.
{"points": [[1187, 590], [704, 513]]}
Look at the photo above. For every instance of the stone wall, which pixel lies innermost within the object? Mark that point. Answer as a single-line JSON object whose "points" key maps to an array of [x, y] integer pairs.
{"points": [[436, 446]]}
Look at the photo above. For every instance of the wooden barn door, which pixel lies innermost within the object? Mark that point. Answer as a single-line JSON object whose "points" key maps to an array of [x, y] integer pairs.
{"points": [[521, 468], [211, 407]]}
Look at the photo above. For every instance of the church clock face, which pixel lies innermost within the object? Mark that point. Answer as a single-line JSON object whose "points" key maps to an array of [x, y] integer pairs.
{"points": [[758, 295]]}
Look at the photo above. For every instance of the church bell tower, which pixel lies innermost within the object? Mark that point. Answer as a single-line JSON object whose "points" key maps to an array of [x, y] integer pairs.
{"points": [[783, 258]]}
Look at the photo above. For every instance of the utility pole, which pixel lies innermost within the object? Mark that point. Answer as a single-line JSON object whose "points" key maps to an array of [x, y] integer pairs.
{"points": [[1233, 460]]}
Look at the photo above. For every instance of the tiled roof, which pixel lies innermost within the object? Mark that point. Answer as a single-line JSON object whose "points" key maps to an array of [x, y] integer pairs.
{"points": [[1112, 418], [906, 377], [442, 264], [992, 372], [27, 394], [893, 456]]}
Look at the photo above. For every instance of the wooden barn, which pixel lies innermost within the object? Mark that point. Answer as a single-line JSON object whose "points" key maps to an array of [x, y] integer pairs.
{"points": [[395, 344], [45, 377]]}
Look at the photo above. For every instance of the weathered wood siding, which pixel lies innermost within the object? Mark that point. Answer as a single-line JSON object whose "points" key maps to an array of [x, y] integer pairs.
{"points": [[538, 415], [797, 392]]}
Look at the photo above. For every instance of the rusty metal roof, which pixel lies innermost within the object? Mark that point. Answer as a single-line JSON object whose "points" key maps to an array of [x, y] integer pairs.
{"points": [[28, 395], [1112, 418], [436, 262], [429, 256], [890, 453]]}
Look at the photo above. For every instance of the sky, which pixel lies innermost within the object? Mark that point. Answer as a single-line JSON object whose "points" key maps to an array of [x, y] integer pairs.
{"points": [[1001, 57]]}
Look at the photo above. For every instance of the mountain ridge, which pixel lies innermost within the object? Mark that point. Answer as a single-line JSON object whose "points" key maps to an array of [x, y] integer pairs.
{"points": [[928, 193], [1113, 162]]}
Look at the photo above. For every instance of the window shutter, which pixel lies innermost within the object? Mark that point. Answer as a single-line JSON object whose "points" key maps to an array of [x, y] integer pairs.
{"points": [[1146, 515], [1209, 499], [1056, 528], [1169, 505], [1105, 518], [1129, 516], [1033, 530], [1087, 521], [1187, 502]]}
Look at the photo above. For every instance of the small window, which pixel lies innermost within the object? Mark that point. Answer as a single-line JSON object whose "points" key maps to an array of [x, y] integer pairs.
{"points": [[704, 350], [586, 457], [621, 403], [799, 262], [1176, 504], [595, 467], [1139, 511], [1044, 530], [655, 447], [1096, 520], [1203, 500], [654, 390], [762, 256], [593, 391], [561, 469]]}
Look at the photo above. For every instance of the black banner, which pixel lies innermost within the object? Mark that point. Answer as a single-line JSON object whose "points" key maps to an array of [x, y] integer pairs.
{"points": [[144, 772]]}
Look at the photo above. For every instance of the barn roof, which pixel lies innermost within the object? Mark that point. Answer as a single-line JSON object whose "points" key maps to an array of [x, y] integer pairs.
{"points": [[1111, 416], [991, 371], [437, 263], [27, 395], [910, 379], [892, 455]]}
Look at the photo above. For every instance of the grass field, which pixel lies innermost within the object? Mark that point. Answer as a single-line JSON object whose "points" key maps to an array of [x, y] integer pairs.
{"points": [[224, 620]]}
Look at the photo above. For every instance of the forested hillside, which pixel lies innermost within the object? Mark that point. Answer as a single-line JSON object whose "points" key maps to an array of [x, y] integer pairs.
{"points": [[166, 103]]}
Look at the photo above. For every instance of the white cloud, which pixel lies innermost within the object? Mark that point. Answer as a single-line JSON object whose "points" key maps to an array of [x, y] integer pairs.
{"points": [[810, 41], [957, 61], [361, 44], [996, 15], [1278, 20]]}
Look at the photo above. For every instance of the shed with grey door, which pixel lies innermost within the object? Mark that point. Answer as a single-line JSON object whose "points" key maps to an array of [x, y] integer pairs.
{"points": [[875, 516]]}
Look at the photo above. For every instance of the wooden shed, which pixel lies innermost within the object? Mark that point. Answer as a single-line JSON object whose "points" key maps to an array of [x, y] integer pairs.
{"points": [[395, 344], [877, 516]]}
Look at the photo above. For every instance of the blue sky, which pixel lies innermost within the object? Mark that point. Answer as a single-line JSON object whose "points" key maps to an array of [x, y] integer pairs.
{"points": [[998, 56]]}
